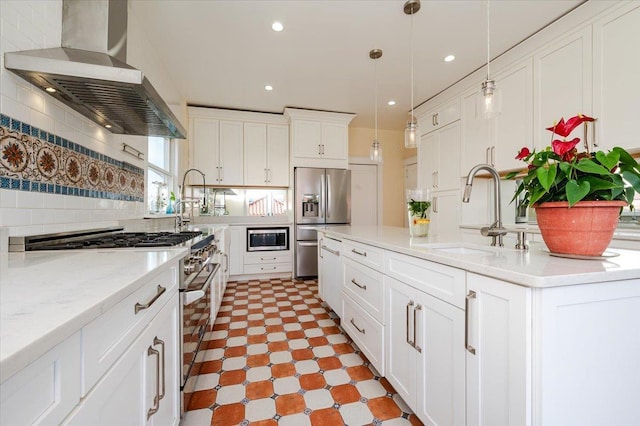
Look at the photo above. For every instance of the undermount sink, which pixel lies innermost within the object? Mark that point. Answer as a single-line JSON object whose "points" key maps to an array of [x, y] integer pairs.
{"points": [[462, 250]]}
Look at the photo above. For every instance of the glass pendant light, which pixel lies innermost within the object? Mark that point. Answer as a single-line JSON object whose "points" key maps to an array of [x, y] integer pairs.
{"points": [[490, 101], [375, 152], [411, 7]]}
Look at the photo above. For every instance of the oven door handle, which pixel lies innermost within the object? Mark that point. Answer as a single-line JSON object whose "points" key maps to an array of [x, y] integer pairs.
{"points": [[192, 296]]}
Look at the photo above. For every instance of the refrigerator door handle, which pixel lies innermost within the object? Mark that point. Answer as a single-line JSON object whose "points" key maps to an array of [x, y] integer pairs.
{"points": [[323, 195], [308, 244], [328, 196]]}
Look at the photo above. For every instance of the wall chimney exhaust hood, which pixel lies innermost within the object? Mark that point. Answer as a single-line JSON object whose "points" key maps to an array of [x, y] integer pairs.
{"points": [[89, 72]]}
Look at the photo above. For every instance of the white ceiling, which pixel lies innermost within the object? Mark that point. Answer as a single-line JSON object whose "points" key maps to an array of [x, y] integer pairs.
{"points": [[223, 53]]}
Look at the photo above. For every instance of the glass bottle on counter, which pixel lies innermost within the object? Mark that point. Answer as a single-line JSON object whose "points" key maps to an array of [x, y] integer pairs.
{"points": [[419, 210]]}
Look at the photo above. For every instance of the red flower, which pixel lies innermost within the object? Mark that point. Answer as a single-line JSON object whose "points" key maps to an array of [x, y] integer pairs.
{"points": [[562, 147], [524, 152], [564, 129]]}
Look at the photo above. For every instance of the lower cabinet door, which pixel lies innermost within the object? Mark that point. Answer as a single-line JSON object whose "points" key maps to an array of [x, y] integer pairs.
{"points": [[401, 355], [141, 388], [441, 361]]}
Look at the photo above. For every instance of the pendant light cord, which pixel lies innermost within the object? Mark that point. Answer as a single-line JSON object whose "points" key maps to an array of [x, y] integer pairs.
{"points": [[411, 47], [488, 43], [375, 107]]}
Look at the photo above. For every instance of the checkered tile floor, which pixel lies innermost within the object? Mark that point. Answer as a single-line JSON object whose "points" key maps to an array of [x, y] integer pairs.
{"points": [[276, 355]]}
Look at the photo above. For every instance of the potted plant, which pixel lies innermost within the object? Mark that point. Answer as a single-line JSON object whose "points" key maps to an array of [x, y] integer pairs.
{"points": [[578, 197], [418, 211]]}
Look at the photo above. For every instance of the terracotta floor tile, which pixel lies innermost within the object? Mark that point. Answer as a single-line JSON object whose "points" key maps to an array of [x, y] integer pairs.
{"points": [[220, 327], [301, 312], [211, 367], [278, 346], [237, 332], [344, 394], [255, 323], [384, 408], [302, 354], [318, 341], [343, 348], [290, 404], [269, 422], [283, 370], [257, 360], [258, 338], [233, 377], [329, 363], [257, 390], [238, 318], [227, 415], [296, 334], [312, 381], [309, 324], [387, 386], [321, 316], [331, 330], [326, 417], [218, 343], [414, 420], [272, 315], [235, 351], [289, 320], [202, 399], [360, 372], [275, 328]]}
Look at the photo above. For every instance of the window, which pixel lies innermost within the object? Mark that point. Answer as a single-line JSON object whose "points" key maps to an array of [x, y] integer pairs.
{"points": [[160, 173], [266, 202]]}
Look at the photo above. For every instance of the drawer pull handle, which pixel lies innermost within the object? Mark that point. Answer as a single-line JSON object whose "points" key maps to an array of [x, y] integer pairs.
{"points": [[415, 327], [268, 269], [470, 295], [337, 253], [267, 258], [139, 307], [364, 287], [409, 305], [156, 398], [361, 330], [157, 341], [361, 253]]}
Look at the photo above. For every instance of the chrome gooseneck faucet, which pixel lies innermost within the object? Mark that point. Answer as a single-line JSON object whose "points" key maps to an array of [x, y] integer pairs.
{"points": [[181, 220], [495, 231]]}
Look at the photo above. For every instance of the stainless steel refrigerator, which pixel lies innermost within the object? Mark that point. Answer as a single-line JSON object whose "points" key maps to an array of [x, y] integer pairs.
{"points": [[322, 196]]}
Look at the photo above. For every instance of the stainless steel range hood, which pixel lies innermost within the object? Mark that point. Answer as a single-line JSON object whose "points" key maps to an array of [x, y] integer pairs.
{"points": [[89, 72]]}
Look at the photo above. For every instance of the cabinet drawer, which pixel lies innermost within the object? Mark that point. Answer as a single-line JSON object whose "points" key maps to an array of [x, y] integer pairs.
{"points": [[267, 258], [444, 282], [46, 390], [268, 268], [109, 335], [364, 285], [365, 331], [363, 253]]}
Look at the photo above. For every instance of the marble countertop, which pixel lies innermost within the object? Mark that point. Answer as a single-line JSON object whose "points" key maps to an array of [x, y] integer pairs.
{"points": [[533, 268], [625, 232], [47, 296]]}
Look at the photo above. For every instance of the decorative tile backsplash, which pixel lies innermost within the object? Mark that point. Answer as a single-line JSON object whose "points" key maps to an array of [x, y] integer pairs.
{"points": [[38, 161]]}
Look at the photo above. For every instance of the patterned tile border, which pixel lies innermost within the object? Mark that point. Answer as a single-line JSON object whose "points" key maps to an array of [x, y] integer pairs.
{"points": [[38, 161]]}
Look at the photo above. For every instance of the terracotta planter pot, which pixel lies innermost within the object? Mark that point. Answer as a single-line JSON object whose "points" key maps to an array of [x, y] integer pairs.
{"points": [[585, 229]]}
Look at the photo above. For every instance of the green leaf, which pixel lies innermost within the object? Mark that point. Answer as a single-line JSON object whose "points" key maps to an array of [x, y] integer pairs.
{"points": [[546, 176], [598, 184], [589, 166], [625, 157], [535, 196], [511, 175], [576, 191], [609, 160], [633, 179]]}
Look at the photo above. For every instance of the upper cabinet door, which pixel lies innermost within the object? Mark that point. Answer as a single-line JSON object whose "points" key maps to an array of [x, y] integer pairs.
{"points": [[307, 137], [278, 155], [204, 134], [513, 127], [476, 132], [616, 88], [335, 142], [255, 154], [562, 73], [231, 153]]}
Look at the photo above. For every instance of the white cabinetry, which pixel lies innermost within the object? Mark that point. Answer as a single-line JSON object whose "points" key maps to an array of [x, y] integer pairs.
{"points": [[497, 141], [439, 159], [237, 250], [45, 391], [498, 352], [269, 263], [330, 271], [562, 82], [425, 337], [440, 116], [616, 87], [216, 150], [445, 215], [318, 138], [266, 154]]}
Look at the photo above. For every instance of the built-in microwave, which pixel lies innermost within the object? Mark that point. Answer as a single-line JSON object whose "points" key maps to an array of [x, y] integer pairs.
{"points": [[268, 239]]}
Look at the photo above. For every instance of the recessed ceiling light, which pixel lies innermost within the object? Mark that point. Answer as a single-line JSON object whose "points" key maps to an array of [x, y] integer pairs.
{"points": [[268, 88], [391, 103], [277, 26], [108, 126], [50, 90], [449, 58]]}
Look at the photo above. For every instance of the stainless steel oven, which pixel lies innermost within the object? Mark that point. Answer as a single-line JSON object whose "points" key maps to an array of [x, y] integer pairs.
{"points": [[268, 239]]}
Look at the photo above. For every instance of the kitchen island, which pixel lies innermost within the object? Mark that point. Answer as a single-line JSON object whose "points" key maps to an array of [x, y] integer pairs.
{"points": [[479, 335]]}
